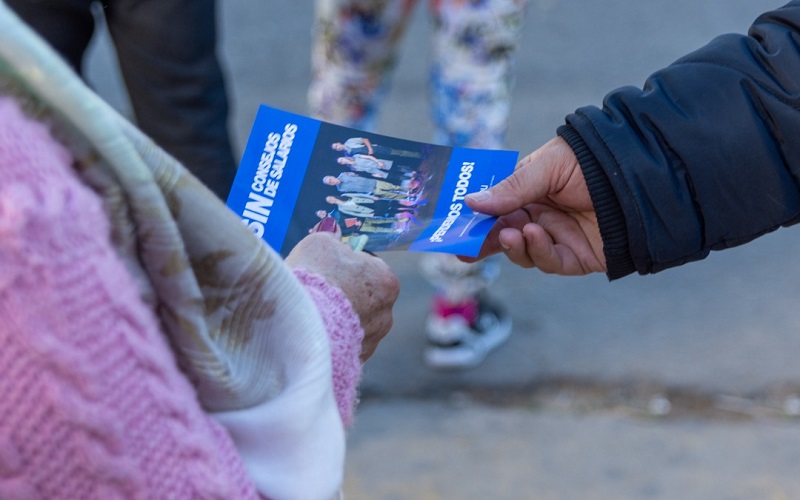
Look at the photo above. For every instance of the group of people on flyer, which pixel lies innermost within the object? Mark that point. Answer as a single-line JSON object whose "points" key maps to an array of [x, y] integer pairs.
{"points": [[374, 196]]}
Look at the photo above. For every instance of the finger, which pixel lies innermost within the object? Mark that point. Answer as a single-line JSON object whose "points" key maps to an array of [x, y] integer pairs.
{"points": [[310, 248], [515, 247], [525, 185], [329, 225], [567, 253], [543, 172], [516, 219], [535, 247], [542, 250], [381, 287], [569, 250], [374, 333]]}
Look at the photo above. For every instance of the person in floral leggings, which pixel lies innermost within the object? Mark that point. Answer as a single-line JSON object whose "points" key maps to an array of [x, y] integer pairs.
{"points": [[471, 76]]}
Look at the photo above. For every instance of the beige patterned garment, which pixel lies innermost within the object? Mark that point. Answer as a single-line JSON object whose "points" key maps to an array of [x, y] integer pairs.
{"points": [[241, 325]]}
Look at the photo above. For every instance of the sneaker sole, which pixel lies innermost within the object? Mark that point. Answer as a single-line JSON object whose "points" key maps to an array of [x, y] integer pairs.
{"points": [[466, 357]]}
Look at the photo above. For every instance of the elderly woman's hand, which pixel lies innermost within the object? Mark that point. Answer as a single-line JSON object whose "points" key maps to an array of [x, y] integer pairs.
{"points": [[366, 280]]}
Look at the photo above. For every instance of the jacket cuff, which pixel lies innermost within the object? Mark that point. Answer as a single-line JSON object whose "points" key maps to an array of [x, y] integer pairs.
{"points": [[608, 210]]}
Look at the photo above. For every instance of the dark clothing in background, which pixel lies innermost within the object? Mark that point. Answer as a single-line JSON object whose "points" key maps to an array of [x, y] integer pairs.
{"points": [[167, 54], [705, 157]]}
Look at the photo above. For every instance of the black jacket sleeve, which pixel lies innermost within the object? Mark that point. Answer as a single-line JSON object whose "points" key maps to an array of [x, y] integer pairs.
{"points": [[706, 156]]}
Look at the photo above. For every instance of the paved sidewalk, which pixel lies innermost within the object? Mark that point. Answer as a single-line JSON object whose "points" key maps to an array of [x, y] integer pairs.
{"points": [[458, 450]]}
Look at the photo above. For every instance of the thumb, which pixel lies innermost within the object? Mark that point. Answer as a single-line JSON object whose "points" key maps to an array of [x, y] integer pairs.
{"points": [[525, 185], [536, 176]]}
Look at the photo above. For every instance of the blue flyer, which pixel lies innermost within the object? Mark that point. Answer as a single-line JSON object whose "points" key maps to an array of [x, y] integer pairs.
{"points": [[390, 193]]}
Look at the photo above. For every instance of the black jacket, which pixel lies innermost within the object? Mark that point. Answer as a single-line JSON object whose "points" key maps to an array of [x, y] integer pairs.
{"points": [[705, 157]]}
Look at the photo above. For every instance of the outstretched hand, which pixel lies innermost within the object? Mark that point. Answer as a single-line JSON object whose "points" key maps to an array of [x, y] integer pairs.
{"points": [[546, 218]]}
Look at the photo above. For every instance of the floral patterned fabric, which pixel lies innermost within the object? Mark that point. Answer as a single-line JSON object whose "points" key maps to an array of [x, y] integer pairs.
{"points": [[473, 46]]}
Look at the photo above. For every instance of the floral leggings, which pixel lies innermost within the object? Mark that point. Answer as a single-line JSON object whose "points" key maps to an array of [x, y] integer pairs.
{"points": [[471, 75]]}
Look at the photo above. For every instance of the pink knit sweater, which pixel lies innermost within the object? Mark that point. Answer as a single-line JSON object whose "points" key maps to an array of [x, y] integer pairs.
{"points": [[92, 404]]}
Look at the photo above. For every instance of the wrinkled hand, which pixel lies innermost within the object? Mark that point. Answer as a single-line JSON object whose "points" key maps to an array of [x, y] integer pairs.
{"points": [[366, 280], [546, 218]]}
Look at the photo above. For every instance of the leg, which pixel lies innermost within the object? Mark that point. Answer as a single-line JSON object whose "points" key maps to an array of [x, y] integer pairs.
{"points": [[472, 74], [463, 326], [67, 25], [167, 53], [354, 50], [470, 86], [388, 191]]}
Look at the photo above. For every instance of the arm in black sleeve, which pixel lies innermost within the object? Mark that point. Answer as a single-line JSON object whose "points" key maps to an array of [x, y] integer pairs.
{"points": [[706, 156]]}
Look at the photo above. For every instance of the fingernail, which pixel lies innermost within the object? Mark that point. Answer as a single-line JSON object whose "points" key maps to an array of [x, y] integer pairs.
{"points": [[328, 224], [505, 247], [480, 196]]}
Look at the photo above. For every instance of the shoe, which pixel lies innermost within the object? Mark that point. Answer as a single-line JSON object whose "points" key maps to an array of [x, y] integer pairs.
{"points": [[461, 336]]}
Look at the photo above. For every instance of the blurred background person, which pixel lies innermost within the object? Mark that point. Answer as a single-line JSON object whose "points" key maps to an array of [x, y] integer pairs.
{"points": [[471, 77], [167, 56]]}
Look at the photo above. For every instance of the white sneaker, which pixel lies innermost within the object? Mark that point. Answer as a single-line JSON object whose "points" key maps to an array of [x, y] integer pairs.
{"points": [[454, 343]]}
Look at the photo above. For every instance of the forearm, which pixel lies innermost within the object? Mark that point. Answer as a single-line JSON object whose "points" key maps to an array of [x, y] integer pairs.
{"points": [[702, 159]]}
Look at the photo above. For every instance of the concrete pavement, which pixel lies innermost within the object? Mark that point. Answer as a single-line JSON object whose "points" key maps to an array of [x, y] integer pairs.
{"points": [[676, 386]]}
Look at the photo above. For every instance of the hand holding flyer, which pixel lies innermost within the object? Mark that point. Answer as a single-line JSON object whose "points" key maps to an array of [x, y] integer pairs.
{"points": [[388, 193]]}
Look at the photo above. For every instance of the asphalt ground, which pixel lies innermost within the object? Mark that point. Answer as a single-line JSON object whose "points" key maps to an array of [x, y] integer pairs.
{"points": [[681, 385]]}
